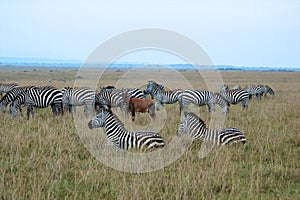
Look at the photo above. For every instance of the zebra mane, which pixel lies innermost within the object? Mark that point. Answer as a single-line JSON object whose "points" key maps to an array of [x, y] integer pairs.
{"points": [[194, 116], [161, 87]]}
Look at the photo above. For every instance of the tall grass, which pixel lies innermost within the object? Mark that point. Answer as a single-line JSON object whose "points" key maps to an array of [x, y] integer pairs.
{"points": [[44, 158]]}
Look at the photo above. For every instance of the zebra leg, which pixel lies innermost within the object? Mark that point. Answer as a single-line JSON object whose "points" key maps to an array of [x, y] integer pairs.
{"points": [[159, 105], [61, 107], [86, 111], [245, 104], [73, 109], [56, 109], [152, 110], [225, 109], [183, 107], [30, 110], [211, 107], [258, 96], [21, 113]]}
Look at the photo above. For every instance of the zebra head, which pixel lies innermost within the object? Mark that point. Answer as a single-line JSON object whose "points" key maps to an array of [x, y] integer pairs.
{"points": [[152, 87], [2, 107], [99, 120], [149, 88], [268, 89], [13, 110], [224, 88]]}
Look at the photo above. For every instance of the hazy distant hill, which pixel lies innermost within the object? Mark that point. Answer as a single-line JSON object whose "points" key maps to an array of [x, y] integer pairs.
{"points": [[17, 63]]}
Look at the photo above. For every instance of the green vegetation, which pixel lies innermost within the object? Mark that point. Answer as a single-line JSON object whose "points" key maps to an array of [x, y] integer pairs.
{"points": [[44, 158]]}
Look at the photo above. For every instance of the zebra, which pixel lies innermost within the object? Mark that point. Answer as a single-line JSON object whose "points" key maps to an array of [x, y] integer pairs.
{"points": [[162, 96], [236, 96], [11, 95], [201, 98], [40, 97], [256, 90], [6, 87], [196, 127], [112, 99], [72, 97], [121, 139]]}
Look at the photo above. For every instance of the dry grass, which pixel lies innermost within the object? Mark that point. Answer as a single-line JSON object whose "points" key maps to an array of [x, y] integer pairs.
{"points": [[44, 158]]}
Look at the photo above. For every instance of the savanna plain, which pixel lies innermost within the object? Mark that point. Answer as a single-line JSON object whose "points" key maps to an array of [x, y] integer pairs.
{"points": [[45, 158]]}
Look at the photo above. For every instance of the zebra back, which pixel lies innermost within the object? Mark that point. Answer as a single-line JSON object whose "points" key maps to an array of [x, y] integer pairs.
{"points": [[198, 98], [168, 97], [133, 92], [6, 87]]}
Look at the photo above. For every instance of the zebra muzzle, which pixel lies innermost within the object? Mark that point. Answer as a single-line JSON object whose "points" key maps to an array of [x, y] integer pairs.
{"points": [[90, 124]]}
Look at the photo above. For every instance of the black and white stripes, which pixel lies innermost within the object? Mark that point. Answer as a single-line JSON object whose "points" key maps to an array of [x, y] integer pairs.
{"points": [[236, 96], [39, 97], [162, 96], [201, 98], [119, 138], [72, 97], [115, 98], [11, 96], [197, 129]]}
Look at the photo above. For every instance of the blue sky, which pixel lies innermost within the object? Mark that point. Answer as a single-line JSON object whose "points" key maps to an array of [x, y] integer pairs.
{"points": [[242, 33]]}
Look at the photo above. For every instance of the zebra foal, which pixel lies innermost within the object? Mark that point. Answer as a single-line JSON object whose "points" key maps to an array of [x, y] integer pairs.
{"points": [[120, 138], [197, 129]]}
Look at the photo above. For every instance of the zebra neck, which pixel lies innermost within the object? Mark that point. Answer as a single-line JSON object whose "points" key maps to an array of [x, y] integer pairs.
{"points": [[113, 127]]}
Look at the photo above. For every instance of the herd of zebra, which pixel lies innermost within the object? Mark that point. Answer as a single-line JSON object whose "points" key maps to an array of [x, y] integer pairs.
{"points": [[117, 136]]}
